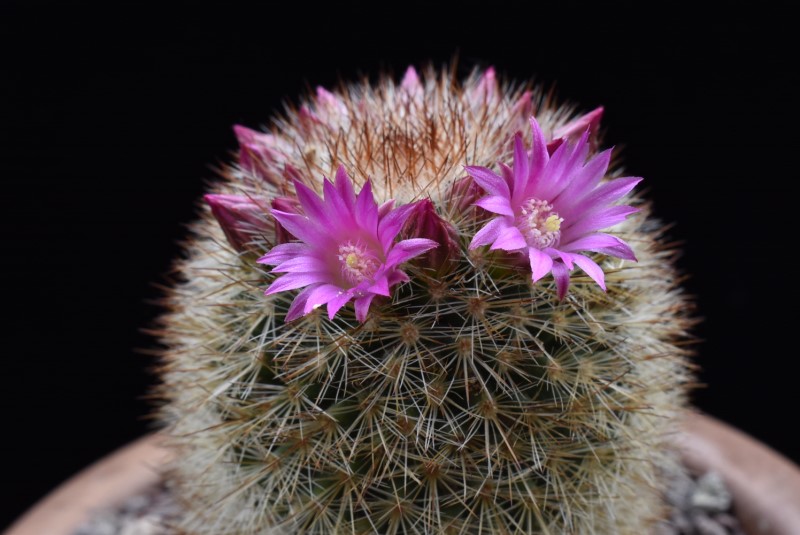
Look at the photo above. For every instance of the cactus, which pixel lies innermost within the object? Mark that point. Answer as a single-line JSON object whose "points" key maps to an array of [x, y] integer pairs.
{"points": [[483, 394]]}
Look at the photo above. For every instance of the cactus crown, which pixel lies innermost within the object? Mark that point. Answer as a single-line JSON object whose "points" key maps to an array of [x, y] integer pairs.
{"points": [[474, 393]]}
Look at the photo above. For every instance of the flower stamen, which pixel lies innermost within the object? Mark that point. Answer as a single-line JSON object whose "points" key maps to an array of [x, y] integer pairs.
{"points": [[357, 263], [539, 224]]}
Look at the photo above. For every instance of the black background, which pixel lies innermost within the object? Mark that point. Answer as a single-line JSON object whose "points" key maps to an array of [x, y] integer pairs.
{"points": [[114, 117]]}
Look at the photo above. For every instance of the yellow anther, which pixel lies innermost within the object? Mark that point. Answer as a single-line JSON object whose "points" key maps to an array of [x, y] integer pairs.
{"points": [[553, 223]]}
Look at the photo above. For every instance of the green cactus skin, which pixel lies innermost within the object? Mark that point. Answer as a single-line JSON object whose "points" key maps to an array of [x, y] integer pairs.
{"points": [[474, 402]]}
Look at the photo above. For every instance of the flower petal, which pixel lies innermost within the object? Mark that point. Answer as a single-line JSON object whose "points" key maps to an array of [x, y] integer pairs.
{"points": [[341, 216], [367, 209], [345, 188], [601, 243], [496, 204], [541, 263], [488, 180], [552, 175], [603, 195], [302, 228], [599, 219], [391, 225], [489, 232], [362, 307], [561, 275], [408, 249], [509, 239], [312, 205], [539, 154], [320, 296], [292, 281], [299, 303], [283, 252], [585, 180], [591, 268], [380, 286], [565, 257], [301, 264], [335, 304], [397, 276], [521, 169]]}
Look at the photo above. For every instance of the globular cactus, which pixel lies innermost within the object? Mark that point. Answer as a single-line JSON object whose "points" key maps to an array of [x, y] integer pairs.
{"points": [[483, 381]]}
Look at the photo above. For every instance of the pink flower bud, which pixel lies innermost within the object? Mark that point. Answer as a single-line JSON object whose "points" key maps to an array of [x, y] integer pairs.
{"points": [[487, 86], [411, 81], [257, 150], [426, 223], [241, 218], [573, 130], [464, 194]]}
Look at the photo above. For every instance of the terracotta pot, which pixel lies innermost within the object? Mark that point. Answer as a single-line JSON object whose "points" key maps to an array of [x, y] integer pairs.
{"points": [[765, 485]]}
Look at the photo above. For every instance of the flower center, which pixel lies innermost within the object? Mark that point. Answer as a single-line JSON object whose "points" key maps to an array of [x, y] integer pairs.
{"points": [[540, 225], [357, 263]]}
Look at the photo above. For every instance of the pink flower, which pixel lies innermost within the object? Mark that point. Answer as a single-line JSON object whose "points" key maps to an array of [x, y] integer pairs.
{"points": [[551, 208], [345, 251]]}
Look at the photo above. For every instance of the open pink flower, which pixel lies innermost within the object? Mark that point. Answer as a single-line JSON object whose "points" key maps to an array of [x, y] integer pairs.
{"points": [[345, 251], [550, 208]]}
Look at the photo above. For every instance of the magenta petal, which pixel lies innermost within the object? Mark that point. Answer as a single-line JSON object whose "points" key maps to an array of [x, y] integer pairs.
{"points": [[541, 263], [310, 201], [407, 249], [301, 264], [600, 219], [380, 286], [601, 243], [391, 225], [489, 232], [539, 152], [362, 307], [320, 296], [366, 209], [340, 212], [508, 174], [565, 257], [299, 303], [509, 239], [591, 268], [561, 275], [553, 176], [490, 181], [282, 253], [496, 205], [587, 178], [337, 302], [345, 187], [521, 169], [396, 277], [606, 194], [300, 227], [292, 281]]}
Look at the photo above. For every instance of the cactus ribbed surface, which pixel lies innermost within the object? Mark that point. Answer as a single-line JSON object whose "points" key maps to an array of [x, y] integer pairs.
{"points": [[472, 400]]}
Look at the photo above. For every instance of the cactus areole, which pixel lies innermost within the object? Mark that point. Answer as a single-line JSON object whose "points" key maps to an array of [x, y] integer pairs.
{"points": [[424, 307]]}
